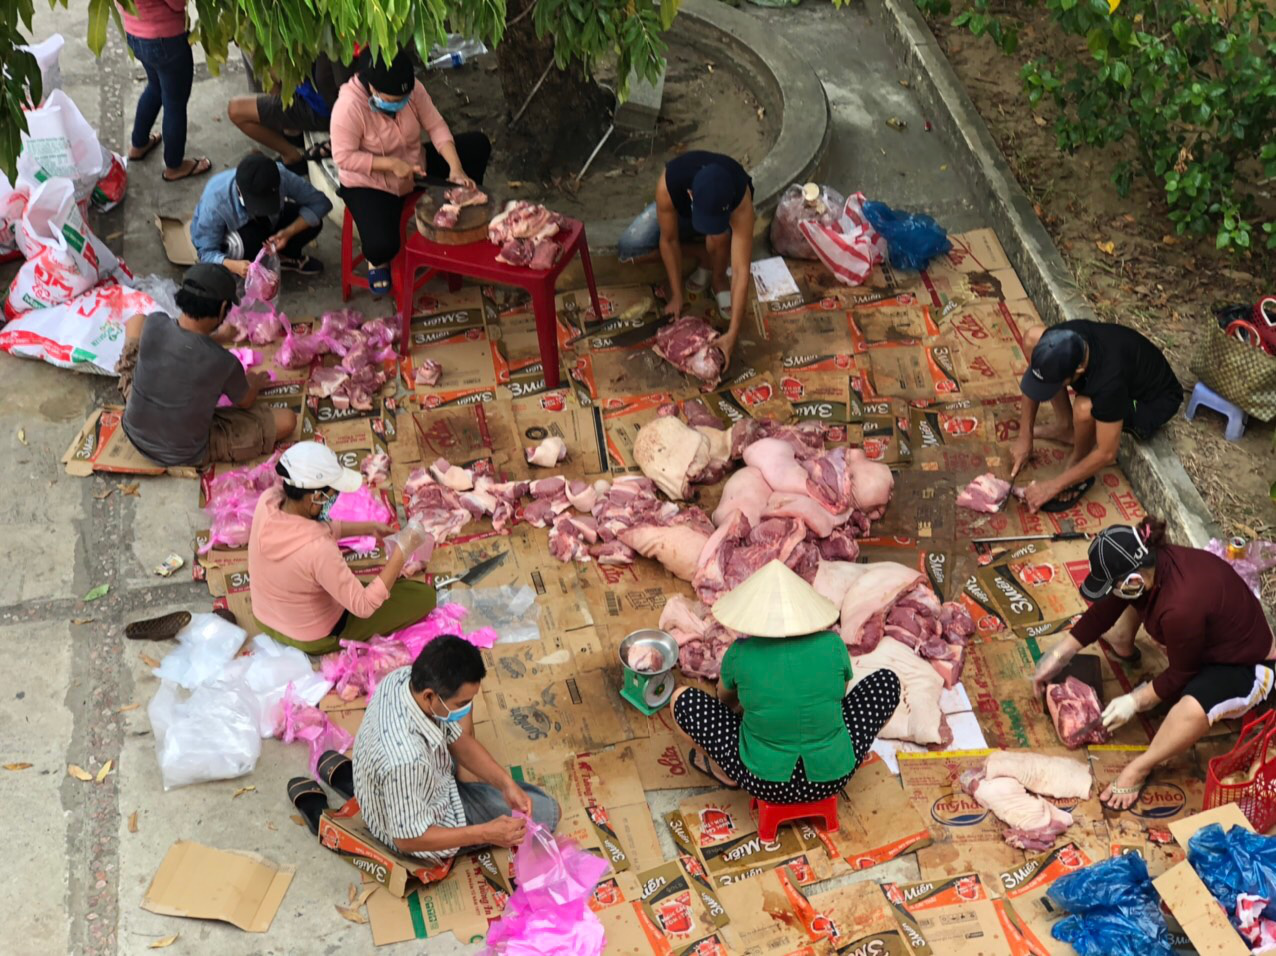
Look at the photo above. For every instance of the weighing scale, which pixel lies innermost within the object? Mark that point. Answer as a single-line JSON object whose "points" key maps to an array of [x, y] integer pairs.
{"points": [[649, 691]]}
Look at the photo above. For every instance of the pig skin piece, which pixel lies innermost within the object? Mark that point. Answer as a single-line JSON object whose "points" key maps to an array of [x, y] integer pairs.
{"points": [[676, 547], [830, 481], [548, 453], [1060, 777], [669, 452], [871, 481], [834, 578], [582, 495], [918, 717], [986, 493], [453, 476], [1072, 706], [806, 509], [684, 619], [719, 464], [646, 659], [775, 459], [745, 491], [1035, 823], [873, 592]]}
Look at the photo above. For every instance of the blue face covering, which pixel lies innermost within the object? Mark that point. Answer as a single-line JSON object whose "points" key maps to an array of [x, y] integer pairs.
{"points": [[387, 106], [454, 715]]}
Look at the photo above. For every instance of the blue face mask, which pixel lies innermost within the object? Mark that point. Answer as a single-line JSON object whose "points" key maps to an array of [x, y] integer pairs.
{"points": [[387, 106], [454, 715]]}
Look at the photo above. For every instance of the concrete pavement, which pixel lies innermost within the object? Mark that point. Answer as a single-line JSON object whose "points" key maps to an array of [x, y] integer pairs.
{"points": [[76, 874]]}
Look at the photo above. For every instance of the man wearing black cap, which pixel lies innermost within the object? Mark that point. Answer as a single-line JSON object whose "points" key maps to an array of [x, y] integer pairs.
{"points": [[700, 194], [1214, 632], [172, 375], [258, 203], [1122, 383]]}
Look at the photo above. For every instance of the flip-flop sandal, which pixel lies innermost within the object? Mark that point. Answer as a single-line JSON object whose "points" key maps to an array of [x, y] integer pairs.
{"points": [[1129, 660], [309, 799], [1069, 497], [698, 281], [379, 281], [155, 140], [724, 303], [162, 628], [704, 768], [319, 151], [198, 168], [1124, 792], [337, 771], [306, 265]]}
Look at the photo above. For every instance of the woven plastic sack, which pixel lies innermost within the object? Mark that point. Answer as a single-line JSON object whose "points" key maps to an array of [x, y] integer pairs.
{"points": [[850, 247], [794, 209], [1242, 374], [914, 238], [549, 914]]}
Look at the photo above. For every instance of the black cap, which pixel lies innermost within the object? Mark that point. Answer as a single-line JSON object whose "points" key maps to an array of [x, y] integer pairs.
{"points": [[211, 280], [395, 78], [712, 194], [258, 180], [1114, 553], [1056, 358]]}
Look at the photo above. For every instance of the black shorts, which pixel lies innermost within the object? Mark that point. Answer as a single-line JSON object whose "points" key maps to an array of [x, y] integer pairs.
{"points": [[1225, 691], [299, 116], [1144, 419]]}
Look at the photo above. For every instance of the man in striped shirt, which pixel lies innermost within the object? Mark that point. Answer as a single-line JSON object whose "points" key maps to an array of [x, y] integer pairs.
{"points": [[425, 785]]}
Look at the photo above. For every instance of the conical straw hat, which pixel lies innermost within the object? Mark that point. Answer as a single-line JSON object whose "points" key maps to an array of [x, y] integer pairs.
{"points": [[774, 602]]}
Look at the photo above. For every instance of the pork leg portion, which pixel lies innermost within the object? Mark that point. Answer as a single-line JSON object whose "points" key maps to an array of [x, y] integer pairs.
{"points": [[1059, 777], [1035, 823]]}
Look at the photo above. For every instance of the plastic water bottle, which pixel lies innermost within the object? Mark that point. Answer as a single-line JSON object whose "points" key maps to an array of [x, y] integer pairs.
{"points": [[455, 53]]}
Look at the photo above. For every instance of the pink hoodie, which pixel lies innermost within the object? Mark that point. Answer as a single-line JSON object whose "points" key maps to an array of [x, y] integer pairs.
{"points": [[361, 133]]}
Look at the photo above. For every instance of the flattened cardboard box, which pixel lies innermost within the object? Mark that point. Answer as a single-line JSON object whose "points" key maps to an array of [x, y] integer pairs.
{"points": [[637, 371], [677, 914], [102, 446], [344, 833], [976, 251], [771, 915], [1026, 887], [922, 509], [1174, 791], [983, 324], [627, 597], [465, 308], [1110, 502], [320, 414], [914, 372], [991, 371], [629, 303], [558, 413], [462, 903], [234, 886], [935, 564], [462, 434], [724, 833], [825, 397], [876, 824], [998, 681], [468, 373], [958, 917], [890, 326], [1031, 586], [859, 921], [819, 289], [810, 338]]}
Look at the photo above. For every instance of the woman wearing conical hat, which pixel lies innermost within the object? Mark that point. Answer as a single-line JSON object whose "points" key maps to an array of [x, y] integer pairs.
{"points": [[798, 735]]}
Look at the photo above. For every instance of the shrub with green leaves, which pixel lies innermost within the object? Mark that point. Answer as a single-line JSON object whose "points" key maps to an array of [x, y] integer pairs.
{"points": [[1195, 91]]}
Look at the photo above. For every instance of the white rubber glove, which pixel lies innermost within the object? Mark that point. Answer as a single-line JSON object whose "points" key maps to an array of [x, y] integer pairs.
{"points": [[1120, 711]]}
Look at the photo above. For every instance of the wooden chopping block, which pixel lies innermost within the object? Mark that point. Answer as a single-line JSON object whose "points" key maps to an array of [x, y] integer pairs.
{"points": [[471, 224]]}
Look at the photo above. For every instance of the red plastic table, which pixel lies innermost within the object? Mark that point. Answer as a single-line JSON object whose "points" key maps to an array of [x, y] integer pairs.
{"points": [[477, 260]]}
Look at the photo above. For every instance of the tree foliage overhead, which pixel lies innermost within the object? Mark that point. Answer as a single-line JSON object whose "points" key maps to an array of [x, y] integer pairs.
{"points": [[283, 37]]}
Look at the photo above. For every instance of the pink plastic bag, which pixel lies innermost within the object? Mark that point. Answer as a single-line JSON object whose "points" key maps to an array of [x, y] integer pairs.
{"points": [[262, 281], [258, 322], [549, 914], [1259, 556], [232, 499], [362, 505], [300, 721], [851, 247]]}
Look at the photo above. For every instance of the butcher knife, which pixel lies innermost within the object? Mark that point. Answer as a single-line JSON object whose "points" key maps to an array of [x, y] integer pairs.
{"points": [[422, 181], [474, 574], [1069, 533]]}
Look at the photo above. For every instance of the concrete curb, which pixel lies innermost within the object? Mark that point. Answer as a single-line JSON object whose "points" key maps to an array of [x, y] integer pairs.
{"points": [[784, 82], [1154, 470]]}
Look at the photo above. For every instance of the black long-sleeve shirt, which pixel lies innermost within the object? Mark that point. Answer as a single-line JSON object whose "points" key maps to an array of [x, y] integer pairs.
{"points": [[1199, 609]]}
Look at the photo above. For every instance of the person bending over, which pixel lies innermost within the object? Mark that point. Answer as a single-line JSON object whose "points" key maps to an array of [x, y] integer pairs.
{"points": [[425, 785], [172, 374], [303, 592]]}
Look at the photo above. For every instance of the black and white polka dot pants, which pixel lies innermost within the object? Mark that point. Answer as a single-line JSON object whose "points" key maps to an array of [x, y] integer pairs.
{"points": [[716, 728]]}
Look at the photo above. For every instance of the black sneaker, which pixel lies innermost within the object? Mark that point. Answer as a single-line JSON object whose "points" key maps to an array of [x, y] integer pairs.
{"points": [[306, 265]]}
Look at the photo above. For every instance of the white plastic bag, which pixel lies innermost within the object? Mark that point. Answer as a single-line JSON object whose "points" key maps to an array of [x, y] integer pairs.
{"points": [[64, 257], [268, 671], [511, 611], [801, 203], [46, 54], [13, 202], [205, 646], [851, 247], [61, 143], [210, 735], [85, 334]]}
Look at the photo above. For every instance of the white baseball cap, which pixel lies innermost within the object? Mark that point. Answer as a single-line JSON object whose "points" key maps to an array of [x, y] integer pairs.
{"points": [[309, 464]]}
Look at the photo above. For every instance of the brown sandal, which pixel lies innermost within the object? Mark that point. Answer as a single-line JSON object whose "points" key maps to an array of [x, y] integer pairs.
{"points": [[154, 140], [199, 167]]}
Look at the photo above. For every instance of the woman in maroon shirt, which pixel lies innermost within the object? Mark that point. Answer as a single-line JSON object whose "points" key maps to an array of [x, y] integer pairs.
{"points": [[1215, 634]]}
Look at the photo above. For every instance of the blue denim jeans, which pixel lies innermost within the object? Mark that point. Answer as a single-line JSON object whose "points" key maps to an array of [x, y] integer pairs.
{"points": [[483, 802], [643, 234], [170, 72]]}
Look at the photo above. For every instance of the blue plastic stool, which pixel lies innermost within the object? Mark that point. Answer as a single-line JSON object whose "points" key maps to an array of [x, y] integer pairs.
{"points": [[1202, 394]]}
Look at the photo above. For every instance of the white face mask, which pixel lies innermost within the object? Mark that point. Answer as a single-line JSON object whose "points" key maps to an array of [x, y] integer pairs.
{"points": [[1132, 588]]}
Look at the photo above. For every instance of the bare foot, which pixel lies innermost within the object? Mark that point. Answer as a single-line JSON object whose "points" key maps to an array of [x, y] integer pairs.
{"points": [[1061, 433], [1124, 791]]}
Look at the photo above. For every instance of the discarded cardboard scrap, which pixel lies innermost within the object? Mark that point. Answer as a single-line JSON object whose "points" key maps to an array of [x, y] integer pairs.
{"points": [[233, 886], [344, 833], [959, 916], [102, 446]]}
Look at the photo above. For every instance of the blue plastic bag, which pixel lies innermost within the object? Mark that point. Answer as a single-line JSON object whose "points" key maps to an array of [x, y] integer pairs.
{"points": [[914, 238], [1115, 910], [1238, 861]]}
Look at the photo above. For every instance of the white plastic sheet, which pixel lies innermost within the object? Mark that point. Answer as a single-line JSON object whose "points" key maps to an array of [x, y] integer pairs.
{"points": [[205, 646]]}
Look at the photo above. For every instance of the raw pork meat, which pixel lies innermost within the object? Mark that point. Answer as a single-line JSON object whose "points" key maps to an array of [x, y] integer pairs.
{"points": [[670, 453], [872, 483], [807, 438], [688, 346], [719, 464], [1035, 823], [675, 546], [816, 517], [646, 659], [376, 469], [841, 545], [544, 254], [746, 491], [523, 220], [1058, 777], [428, 373], [702, 641], [570, 538], [453, 476], [325, 380], [685, 620], [435, 507], [697, 414], [918, 717], [517, 252], [447, 215], [1072, 705], [738, 548], [775, 458], [460, 196], [986, 493], [830, 481], [548, 453], [871, 594]]}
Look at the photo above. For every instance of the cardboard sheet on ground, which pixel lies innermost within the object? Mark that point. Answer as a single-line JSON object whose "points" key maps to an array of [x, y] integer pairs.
{"points": [[818, 288], [1175, 790], [462, 903], [858, 919], [875, 824], [1030, 585], [921, 509], [812, 338], [175, 234], [468, 372], [961, 916], [560, 414], [102, 446], [823, 396], [770, 914], [677, 914], [233, 886], [1026, 887], [888, 326], [985, 324], [914, 372], [1109, 502]]}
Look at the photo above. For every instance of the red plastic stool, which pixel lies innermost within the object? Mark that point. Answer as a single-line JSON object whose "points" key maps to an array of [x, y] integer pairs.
{"points": [[771, 815], [349, 261]]}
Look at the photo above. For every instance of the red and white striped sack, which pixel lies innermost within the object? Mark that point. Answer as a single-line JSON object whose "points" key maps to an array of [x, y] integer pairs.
{"points": [[851, 247]]}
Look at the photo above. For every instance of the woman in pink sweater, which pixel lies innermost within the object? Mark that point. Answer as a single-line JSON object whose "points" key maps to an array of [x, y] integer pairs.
{"points": [[157, 36], [376, 127]]}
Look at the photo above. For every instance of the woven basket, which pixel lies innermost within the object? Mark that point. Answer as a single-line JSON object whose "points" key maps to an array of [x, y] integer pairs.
{"points": [[1242, 374]]}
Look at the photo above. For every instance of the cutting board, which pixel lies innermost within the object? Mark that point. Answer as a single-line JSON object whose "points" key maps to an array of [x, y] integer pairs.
{"points": [[471, 224]]}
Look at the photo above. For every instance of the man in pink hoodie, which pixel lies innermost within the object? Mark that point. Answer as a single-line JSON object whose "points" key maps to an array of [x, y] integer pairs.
{"points": [[376, 143]]}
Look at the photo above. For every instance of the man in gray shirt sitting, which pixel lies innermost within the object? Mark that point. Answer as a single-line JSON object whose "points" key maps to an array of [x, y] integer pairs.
{"points": [[172, 374]]}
